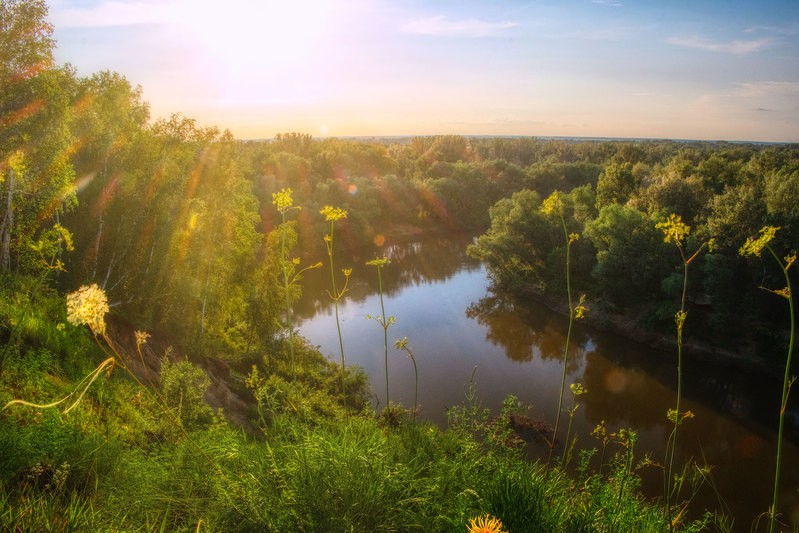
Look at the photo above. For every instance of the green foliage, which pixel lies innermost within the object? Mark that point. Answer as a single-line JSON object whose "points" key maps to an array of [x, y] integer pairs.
{"points": [[183, 386], [615, 185], [628, 269], [517, 245]]}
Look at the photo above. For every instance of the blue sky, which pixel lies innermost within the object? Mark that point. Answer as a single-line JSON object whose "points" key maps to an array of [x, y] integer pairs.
{"points": [[601, 68]]}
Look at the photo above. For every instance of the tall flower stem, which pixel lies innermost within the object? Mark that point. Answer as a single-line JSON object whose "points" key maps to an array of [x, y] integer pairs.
{"points": [[332, 214], [382, 320], [786, 386], [679, 319], [565, 362], [577, 390], [676, 231], [755, 247], [403, 345], [553, 205], [284, 203]]}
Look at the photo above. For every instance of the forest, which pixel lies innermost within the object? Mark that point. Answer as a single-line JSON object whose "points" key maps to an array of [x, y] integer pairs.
{"points": [[150, 372]]}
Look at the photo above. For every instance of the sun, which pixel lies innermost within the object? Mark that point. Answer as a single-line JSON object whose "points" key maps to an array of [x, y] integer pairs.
{"points": [[255, 53]]}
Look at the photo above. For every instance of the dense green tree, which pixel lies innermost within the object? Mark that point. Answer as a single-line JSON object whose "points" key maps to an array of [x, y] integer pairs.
{"points": [[36, 178], [615, 184], [781, 195], [674, 189], [736, 214], [553, 174], [628, 267], [109, 116], [517, 245]]}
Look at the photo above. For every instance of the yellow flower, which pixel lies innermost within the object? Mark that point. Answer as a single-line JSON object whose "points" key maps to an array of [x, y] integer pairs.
{"points": [[755, 246], [383, 261], [88, 305], [580, 309], [674, 229], [578, 389], [282, 200], [141, 337], [485, 524], [332, 214], [553, 205]]}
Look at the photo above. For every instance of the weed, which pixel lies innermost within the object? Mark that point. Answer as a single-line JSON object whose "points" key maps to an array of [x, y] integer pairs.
{"points": [[284, 204], [676, 231], [402, 344], [755, 247], [332, 214], [382, 320], [554, 206]]}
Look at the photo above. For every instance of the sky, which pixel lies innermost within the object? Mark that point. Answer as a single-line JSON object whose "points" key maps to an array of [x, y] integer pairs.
{"points": [[676, 69]]}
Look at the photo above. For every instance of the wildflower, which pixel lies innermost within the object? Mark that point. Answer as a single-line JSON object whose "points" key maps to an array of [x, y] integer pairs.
{"points": [[755, 246], [141, 338], [401, 344], [679, 318], [553, 205], [674, 229], [785, 292], [282, 200], [88, 305], [672, 416], [600, 432], [485, 524], [383, 261], [578, 389], [580, 309], [332, 214]]}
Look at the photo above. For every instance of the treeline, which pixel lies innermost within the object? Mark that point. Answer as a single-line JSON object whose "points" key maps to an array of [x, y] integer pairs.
{"points": [[622, 261]]}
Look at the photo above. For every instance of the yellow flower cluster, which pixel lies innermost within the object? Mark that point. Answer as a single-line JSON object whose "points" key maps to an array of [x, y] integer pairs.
{"points": [[88, 305], [553, 205], [580, 308], [578, 389], [141, 338], [332, 214], [674, 229], [282, 200], [755, 246], [381, 262]]}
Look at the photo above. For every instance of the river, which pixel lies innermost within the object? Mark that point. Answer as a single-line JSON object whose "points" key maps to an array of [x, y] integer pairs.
{"points": [[457, 327]]}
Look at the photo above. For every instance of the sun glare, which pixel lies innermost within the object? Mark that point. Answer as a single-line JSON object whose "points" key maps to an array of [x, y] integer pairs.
{"points": [[255, 53]]}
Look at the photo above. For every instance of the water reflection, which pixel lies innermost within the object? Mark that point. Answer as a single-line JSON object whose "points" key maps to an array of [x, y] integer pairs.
{"points": [[525, 332], [444, 304], [412, 264]]}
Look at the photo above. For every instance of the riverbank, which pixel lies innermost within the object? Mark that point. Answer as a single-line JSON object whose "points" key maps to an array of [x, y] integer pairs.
{"points": [[628, 326]]}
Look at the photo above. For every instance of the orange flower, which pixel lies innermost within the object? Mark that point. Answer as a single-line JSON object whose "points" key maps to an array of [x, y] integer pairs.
{"points": [[485, 524]]}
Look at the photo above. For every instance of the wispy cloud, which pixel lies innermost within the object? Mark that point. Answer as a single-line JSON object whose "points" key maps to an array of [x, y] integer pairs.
{"points": [[764, 96], [441, 25], [778, 30], [766, 88], [608, 3], [737, 47]]}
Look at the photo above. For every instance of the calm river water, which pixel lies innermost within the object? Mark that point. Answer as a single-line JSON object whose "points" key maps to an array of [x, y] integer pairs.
{"points": [[443, 303]]}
